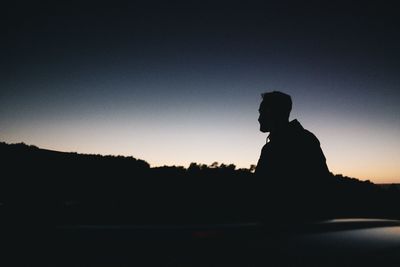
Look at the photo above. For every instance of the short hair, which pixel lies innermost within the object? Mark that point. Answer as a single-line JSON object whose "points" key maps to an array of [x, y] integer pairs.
{"points": [[280, 102]]}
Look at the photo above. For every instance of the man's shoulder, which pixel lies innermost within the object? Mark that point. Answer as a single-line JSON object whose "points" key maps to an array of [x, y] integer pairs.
{"points": [[303, 135], [310, 137]]}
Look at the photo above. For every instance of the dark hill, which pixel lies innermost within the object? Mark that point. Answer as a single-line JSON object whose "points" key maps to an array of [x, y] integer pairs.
{"points": [[94, 188], [44, 185]]}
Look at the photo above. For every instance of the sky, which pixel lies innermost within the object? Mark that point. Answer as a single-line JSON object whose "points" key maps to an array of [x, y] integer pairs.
{"points": [[179, 82]]}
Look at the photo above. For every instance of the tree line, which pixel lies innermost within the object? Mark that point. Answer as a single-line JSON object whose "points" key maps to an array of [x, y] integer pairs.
{"points": [[38, 184]]}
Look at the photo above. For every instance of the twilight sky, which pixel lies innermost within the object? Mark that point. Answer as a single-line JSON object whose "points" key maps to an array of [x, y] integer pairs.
{"points": [[179, 83]]}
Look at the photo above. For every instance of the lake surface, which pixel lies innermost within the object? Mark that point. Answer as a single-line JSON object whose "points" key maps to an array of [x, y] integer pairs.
{"points": [[366, 242]]}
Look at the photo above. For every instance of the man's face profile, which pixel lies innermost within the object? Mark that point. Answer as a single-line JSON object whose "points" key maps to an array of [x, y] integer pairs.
{"points": [[274, 111], [265, 117]]}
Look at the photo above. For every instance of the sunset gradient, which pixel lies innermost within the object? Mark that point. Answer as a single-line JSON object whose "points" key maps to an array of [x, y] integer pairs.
{"points": [[175, 86]]}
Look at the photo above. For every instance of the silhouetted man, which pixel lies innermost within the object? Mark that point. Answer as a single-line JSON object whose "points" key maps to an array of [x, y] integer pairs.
{"points": [[292, 166]]}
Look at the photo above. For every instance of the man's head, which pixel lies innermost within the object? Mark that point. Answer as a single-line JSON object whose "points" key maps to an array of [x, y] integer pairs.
{"points": [[274, 110]]}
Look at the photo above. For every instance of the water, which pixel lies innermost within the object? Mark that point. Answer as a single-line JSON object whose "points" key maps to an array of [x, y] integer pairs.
{"points": [[340, 242]]}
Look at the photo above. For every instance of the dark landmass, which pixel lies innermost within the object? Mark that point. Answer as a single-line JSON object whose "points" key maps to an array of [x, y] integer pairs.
{"points": [[45, 187]]}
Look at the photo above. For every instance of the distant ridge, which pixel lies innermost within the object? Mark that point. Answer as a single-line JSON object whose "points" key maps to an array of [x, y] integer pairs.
{"points": [[68, 186], [22, 146]]}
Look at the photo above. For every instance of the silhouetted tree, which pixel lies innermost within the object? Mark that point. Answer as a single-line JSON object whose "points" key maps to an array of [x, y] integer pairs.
{"points": [[70, 187]]}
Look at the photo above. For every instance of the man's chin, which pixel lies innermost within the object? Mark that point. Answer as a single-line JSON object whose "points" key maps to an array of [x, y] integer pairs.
{"points": [[263, 130]]}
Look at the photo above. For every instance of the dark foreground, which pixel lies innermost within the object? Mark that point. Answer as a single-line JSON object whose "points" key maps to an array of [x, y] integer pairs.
{"points": [[346, 242]]}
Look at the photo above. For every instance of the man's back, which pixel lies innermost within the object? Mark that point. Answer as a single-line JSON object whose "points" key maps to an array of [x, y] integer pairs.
{"points": [[293, 156]]}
